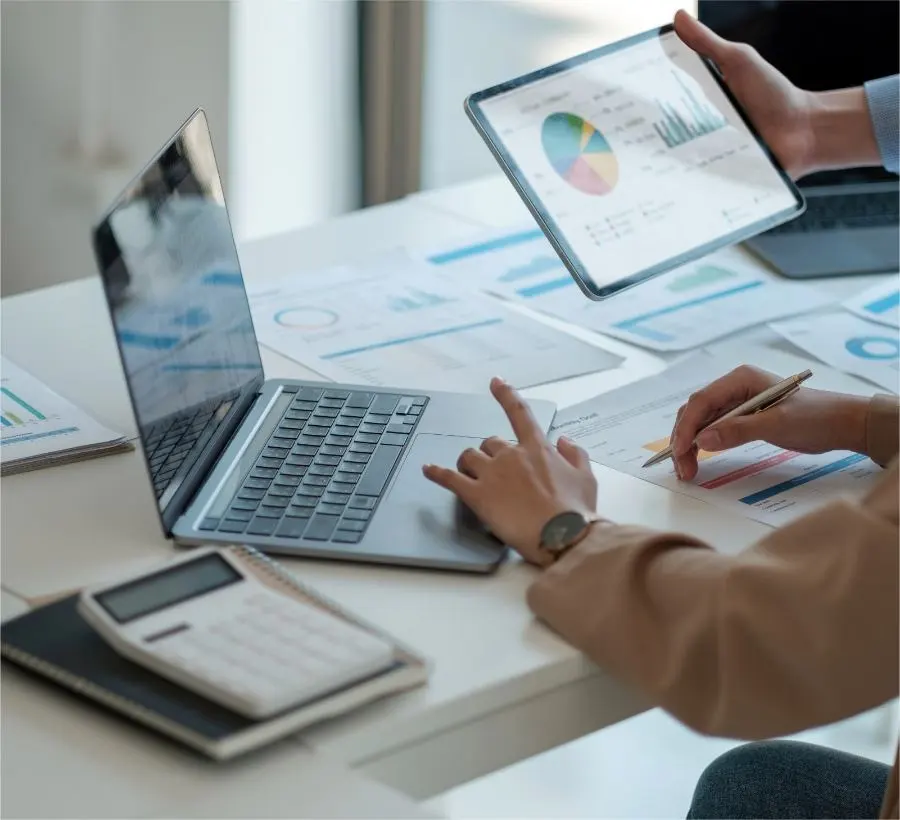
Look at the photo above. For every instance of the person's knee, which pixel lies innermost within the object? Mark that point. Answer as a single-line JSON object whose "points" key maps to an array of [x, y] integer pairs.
{"points": [[724, 789]]}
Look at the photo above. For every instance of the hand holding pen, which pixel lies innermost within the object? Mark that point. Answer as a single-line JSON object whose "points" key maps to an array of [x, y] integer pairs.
{"points": [[806, 420]]}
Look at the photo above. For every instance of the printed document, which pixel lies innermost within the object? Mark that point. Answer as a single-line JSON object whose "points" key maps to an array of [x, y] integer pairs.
{"points": [[880, 303], [865, 349], [623, 428], [403, 327], [683, 309]]}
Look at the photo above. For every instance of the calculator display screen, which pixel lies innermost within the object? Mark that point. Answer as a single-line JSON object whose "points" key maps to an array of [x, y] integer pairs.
{"points": [[168, 587]]}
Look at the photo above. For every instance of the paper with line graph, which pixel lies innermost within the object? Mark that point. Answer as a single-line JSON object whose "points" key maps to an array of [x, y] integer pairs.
{"points": [[39, 428], [680, 310], [399, 327], [621, 429]]}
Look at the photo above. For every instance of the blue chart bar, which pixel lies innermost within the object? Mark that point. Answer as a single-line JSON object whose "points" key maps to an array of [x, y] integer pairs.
{"points": [[884, 304], [33, 436], [540, 264], [23, 404], [784, 486], [700, 119], [485, 247], [407, 339], [6, 421], [545, 287], [633, 325]]}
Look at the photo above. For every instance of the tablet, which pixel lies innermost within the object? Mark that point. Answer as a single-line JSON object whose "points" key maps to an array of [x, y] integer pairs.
{"points": [[634, 158]]}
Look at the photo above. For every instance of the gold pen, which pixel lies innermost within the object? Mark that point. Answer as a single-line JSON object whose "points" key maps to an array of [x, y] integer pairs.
{"points": [[763, 401]]}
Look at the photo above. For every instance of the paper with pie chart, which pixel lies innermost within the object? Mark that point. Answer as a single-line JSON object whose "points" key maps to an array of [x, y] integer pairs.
{"points": [[635, 158], [865, 349], [397, 326]]}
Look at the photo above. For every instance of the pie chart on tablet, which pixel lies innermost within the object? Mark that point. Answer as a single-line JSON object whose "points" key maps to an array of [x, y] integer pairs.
{"points": [[580, 154]]}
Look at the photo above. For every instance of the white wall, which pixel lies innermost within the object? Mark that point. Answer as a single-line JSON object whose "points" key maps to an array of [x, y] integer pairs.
{"points": [[161, 60], [294, 113]]}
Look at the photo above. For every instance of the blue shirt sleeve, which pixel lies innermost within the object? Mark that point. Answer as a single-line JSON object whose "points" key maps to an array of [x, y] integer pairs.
{"points": [[883, 97]]}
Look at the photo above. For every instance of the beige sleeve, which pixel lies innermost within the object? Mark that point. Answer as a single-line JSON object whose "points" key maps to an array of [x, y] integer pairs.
{"points": [[798, 630], [883, 428]]}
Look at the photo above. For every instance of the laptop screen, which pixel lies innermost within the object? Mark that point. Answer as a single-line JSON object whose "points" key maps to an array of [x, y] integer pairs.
{"points": [[817, 44], [179, 309]]}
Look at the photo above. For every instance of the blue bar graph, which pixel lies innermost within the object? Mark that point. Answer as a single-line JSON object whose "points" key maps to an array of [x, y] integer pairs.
{"points": [[22, 403], [446, 331], [538, 265], [699, 119], [485, 247], [545, 287], [634, 324], [884, 304], [6, 421], [812, 475], [32, 436]]}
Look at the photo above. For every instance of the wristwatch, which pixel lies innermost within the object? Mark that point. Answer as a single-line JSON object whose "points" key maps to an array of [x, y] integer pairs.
{"points": [[564, 531]]}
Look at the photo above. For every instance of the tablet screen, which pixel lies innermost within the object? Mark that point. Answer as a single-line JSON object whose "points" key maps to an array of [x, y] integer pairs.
{"points": [[635, 159]]}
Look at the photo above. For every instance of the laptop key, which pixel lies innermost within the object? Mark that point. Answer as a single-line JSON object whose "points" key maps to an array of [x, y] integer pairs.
{"points": [[357, 515], [378, 418], [251, 494], [292, 527], [291, 424], [257, 483], [341, 477], [232, 526], [335, 498], [329, 509], [315, 481], [353, 526], [276, 452], [310, 394], [385, 403], [398, 428], [308, 490], [320, 527], [320, 469], [239, 515], [354, 412], [362, 447], [366, 438], [268, 462], [337, 394], [278, 491], [327, 461], [304, 450], [263, 472], [267, 511], [360, 399], [292, 469], [245, 504], [208, 523], [362, 503], [358, 458], [262, 526], [379, 470], [287, 480], [340, 441], [351, 467], [394, 438], [347, 537], [311, 441], [343, 430], [368, 427], [331, 450], [303, 502]]}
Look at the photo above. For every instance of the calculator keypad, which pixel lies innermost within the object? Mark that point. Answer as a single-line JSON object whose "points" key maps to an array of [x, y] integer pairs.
{"points": [[273, 652]]}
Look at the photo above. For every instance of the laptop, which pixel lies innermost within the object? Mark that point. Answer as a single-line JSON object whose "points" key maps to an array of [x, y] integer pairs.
{"points": [[850, 224], [298, 468]]}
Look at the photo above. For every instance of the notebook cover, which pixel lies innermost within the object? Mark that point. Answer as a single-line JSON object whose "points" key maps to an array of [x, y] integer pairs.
{"points": [[55, 642]]}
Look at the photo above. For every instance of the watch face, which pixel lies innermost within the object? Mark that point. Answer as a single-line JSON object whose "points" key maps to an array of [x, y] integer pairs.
{"points": [[562, 529]]}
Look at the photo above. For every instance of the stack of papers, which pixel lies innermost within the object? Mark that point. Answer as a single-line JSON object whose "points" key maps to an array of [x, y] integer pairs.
{"points": [[682, 309], [39, 428]]}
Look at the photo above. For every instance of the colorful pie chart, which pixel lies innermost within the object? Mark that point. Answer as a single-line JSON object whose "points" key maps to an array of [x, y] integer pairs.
{"points": [[580, 154]]}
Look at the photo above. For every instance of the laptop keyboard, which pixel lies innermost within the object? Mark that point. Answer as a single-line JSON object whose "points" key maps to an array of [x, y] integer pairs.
{"points": [[170, 442], [324, 467], [846, 211]]}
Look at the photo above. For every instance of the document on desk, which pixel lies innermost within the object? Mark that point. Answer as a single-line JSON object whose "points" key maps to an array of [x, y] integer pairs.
{"points": [[621, 429], [680, 310], [39, 428], [880, 303], [850, 344], [403, 327]]}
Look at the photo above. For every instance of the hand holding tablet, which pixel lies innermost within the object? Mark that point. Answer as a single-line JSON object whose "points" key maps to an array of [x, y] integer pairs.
{"points": [[634, 159]]}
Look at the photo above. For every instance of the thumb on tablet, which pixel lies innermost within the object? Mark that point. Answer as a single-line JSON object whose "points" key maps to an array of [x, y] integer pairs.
{"points": [[699, 37]]}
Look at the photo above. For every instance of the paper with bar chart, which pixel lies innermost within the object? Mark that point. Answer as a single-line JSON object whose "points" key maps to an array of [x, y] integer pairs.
{"points": [[621, 429], [39, 428], [682, 309], [880, 303], [850, 344], [403, 328], [637, 157]]}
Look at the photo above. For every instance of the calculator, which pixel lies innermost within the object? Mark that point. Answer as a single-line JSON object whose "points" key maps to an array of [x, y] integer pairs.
{"points": [[205, 623]]}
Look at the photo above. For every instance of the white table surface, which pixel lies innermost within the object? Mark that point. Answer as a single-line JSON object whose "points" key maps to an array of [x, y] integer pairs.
{"points": [[503, 687]]}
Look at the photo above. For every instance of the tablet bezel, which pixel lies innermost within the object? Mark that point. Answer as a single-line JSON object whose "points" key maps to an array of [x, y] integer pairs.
{"points": [[546, 222]]}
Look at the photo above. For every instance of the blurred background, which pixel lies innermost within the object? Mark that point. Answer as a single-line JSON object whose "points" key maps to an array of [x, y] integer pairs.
{"points": [[317, 107]]}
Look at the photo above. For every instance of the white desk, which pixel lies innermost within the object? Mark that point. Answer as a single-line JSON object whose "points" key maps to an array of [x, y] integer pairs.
{"points": [[503, 687]]}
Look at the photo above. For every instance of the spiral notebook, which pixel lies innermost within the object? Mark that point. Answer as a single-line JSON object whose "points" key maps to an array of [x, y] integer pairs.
{"points": [[54, 642]]}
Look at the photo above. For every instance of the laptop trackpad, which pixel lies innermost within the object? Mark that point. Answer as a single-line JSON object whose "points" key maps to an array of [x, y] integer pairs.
{"points": [[427, 521]]}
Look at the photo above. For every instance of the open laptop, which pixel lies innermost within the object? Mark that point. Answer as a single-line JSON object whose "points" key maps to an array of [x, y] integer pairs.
{"points": [[293, 467], [850, 224]]}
